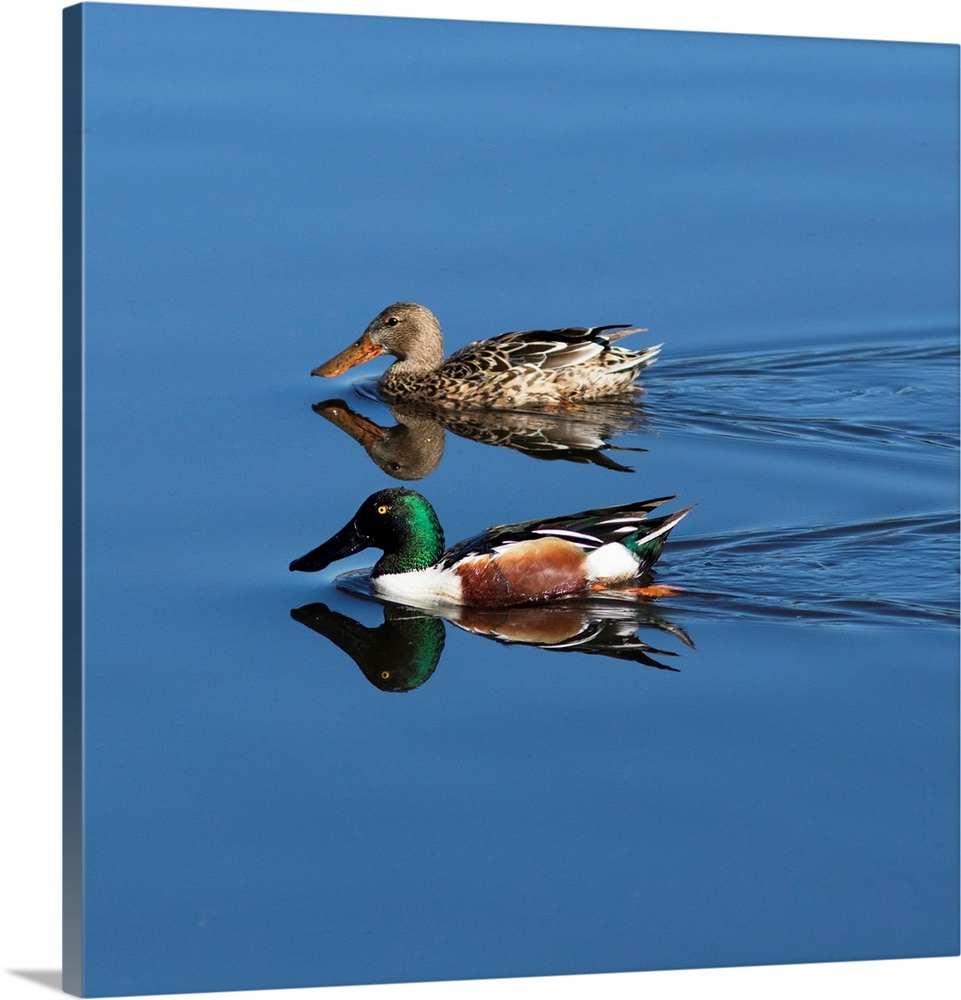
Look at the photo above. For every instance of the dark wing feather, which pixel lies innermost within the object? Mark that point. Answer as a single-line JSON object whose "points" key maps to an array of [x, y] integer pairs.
{"points": [[545, 349], [590, 529]]}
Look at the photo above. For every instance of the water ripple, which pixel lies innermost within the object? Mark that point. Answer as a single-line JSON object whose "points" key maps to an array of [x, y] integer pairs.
{"points": [[852, 572], [863, 397]]}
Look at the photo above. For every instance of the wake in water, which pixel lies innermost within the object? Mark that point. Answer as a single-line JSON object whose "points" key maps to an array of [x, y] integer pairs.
{"points": [[856, 408], [865, 396], [860, 405], [902, 569]]}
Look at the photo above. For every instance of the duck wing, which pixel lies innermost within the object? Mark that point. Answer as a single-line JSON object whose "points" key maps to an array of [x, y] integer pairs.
{"points": [[542, 349], [590, 529]]}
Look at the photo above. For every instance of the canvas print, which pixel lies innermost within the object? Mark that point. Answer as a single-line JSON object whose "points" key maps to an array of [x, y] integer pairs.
{"points": [[511, 500]]}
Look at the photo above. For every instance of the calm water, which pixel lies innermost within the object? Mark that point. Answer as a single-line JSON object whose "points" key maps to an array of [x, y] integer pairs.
{"points": [[763, 769]]}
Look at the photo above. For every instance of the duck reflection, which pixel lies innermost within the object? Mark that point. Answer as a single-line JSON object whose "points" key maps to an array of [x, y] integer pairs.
{"points": [[403, 652], [414, 446], [398, 655]]}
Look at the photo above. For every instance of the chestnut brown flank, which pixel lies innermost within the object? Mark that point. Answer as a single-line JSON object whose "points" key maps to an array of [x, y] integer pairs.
{"points": [[517, 625], [531, 570]]}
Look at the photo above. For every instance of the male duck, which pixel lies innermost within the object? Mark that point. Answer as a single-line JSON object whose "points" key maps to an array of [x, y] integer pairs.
{"points": [[515, 369], [510, 564]]}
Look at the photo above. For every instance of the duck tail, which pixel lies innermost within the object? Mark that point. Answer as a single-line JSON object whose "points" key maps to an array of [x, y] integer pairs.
{"points": [[636, 360], [612, 333], [648, 541]]}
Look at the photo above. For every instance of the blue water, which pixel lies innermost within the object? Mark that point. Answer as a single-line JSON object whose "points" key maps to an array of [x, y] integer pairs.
{"points": [[762, 769]]}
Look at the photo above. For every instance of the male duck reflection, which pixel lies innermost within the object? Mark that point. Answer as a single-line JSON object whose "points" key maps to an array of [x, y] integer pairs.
{"points": [[505, 565], [511, 370], [402, 653]]}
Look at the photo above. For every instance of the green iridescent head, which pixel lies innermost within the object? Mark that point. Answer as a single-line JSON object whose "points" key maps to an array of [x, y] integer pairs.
{"points": [[397, 520], [397, 656]]}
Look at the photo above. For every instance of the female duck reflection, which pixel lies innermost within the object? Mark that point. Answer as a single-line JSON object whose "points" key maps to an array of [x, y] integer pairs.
{"points": [[413, 447]]}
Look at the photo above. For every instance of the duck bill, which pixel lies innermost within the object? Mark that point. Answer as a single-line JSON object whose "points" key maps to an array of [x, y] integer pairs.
{"points": [[362, 430], [345, 543], [361, 350]]}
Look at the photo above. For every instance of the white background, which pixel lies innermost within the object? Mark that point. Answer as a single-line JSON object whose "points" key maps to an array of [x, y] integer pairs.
{"points": [[30, 499]]}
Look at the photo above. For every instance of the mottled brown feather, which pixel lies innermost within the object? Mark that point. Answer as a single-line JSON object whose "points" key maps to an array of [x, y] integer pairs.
{"points": [[532, 367]]}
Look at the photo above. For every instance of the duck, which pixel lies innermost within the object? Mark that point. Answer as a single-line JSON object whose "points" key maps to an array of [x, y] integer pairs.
{"points": [[522, 368], [503, 566]]}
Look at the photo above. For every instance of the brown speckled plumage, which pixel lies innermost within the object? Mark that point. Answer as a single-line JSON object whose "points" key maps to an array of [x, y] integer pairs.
{"points": [[531, 367]]}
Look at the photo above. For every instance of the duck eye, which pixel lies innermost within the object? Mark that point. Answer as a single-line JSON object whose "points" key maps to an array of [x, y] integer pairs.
{"points": [[382, 509], [393, 321], [385, 675]]}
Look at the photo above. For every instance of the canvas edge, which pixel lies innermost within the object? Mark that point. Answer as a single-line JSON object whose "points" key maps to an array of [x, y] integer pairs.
{"points": [[72, 431]]}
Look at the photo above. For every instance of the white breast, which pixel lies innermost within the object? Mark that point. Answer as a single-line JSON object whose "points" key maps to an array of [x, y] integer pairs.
{"points": [[424, 586]]}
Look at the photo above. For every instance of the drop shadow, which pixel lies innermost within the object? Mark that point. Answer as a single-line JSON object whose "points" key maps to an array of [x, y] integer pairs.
{"points": [[51, 978]]}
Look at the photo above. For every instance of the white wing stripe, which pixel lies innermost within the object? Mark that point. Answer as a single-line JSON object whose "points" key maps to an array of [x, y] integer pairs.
{"points": [[564, 533]]}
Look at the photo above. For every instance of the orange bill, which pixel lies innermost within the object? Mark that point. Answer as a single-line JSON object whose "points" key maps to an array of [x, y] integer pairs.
{"points": [[363, 349], [359, 428]]}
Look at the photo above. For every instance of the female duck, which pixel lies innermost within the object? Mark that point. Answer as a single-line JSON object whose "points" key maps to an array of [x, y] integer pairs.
{"points": [[510, 564], [515, 369]]}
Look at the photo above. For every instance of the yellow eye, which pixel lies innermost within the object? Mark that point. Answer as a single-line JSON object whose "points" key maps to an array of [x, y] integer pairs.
{"points": [[382, 509], [385, 675]]}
